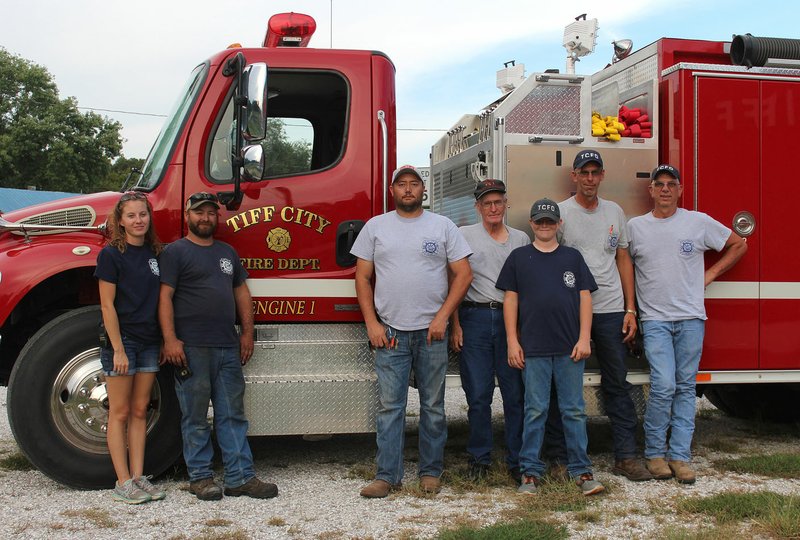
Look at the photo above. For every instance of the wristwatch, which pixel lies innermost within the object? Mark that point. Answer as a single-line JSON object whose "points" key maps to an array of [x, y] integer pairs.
{"points": [[632, 312]]}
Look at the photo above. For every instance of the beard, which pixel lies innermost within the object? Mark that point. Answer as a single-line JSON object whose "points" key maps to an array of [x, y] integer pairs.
{"points": [[409, 207], [207, 232]]}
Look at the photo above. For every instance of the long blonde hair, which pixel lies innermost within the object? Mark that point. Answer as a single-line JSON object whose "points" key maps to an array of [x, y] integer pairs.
{"points": [[117, 236]]}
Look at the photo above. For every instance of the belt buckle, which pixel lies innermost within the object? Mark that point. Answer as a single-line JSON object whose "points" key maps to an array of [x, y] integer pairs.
{"points": [[494, 305]]}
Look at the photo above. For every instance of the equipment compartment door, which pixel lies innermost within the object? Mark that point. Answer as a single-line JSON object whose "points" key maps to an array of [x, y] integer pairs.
{"points": [[727, 124], [780, 269]]}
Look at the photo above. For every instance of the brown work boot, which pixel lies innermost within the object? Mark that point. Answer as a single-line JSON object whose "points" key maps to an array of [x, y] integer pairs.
{"points": [[206, 489], [378, 489], [632, 469], [659, 469], [430, 484], [254, 488], [682, 471]]}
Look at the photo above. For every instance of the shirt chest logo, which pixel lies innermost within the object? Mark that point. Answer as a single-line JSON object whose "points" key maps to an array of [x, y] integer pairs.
{"points": [[569, 279], [153, 264], [430, 247], [687, 247], [226, 266]]}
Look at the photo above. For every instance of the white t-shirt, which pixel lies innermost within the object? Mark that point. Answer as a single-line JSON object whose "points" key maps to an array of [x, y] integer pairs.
{"points": [[597, 234], [410, 257], [488, 257], [669, 262]]}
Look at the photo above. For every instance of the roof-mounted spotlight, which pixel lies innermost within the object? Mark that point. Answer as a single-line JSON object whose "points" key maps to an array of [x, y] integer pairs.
{"points": [[622, 48]]}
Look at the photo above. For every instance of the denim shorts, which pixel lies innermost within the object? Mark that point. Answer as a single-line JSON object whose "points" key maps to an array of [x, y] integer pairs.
{"points": [[142, 357]]}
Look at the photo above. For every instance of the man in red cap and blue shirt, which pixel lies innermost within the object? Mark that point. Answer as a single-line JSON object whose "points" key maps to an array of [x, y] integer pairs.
{"points": [[478, 331], [668, 246], [410, 252]]}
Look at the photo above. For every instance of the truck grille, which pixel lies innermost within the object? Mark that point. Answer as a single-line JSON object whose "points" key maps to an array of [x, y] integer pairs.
{"points": [[79, 216]]}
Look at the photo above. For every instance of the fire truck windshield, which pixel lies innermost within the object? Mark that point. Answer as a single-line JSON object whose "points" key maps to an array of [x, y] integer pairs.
{"points": [[160, 153]]}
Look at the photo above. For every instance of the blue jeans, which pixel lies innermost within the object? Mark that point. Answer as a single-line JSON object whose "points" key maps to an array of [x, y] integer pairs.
{"points": [[216, 377], [673, 349], [393, 368], [484, 355], [611, 353], [538, 374]]}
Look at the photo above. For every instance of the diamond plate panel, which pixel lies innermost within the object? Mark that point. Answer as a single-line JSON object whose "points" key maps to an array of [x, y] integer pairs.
{"points": [[547, 110], [593, 396], [293, 408], [306, 352], [633, 76]]}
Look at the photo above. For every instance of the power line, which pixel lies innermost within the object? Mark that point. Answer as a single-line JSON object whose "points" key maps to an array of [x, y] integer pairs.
{"points": [[123, 112]]}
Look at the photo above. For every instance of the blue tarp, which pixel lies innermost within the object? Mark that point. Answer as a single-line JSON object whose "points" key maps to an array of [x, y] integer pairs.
{"points": [[14, 199]]}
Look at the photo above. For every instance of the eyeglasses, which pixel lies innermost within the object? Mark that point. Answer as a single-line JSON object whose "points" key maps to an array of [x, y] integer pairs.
{"points": [[489, 204], [670, 185], [133, 196], [587, 174]]}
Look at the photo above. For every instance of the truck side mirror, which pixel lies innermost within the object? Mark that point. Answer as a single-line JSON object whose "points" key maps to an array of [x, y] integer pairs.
{"points": [[253, 162], [254, 92]]}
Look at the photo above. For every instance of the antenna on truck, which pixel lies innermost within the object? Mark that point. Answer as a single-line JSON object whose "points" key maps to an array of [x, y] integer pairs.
{"points": [[580, 38]]}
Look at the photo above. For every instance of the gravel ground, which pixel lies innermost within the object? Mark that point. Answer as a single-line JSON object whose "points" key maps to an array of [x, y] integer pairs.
{"points": [[319, 484]]}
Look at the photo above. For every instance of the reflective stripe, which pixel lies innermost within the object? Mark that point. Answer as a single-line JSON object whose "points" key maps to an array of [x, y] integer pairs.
{"points": [[319, 288], [753, 290]]}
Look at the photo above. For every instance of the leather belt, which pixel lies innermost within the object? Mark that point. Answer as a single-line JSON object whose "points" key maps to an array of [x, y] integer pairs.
{"points": [[490, 305]]}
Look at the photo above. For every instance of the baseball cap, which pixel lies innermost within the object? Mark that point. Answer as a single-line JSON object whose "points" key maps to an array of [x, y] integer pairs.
{"points": [[487, 186], [587, 156], [405, 169], [545, 208], [665, 168], [201, 198]]}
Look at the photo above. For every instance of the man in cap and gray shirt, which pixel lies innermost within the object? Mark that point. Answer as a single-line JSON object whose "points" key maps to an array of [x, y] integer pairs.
{"points": [[411, 253], [597, 228], [478, 332], [668, 246]]}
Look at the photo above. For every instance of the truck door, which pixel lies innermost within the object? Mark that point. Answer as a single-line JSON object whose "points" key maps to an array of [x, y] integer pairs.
{"points": [[747, 134], [294, 228]]}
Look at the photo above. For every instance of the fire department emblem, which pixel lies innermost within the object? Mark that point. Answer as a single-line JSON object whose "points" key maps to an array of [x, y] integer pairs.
{"points": [[430, 247], [226, 266], [687, 247], [153, 263], [278, 239], [569, 279]]}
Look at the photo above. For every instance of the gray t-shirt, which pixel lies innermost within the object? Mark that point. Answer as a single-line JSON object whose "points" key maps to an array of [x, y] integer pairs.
{"points": [[668, 259], [410, 257], [597, 234], [488, 257]]}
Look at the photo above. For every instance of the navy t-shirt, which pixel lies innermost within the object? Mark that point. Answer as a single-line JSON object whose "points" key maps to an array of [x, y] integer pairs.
{"points": [[135, 273], [549, 286], [203, 278]]}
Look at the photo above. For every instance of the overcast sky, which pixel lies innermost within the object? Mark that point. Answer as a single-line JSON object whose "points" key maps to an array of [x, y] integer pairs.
{"points": [[135, 56]]}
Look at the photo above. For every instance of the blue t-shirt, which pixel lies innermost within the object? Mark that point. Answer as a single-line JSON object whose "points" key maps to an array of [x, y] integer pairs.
{"points": [[549, 286], [203, 278], [135, 273]]}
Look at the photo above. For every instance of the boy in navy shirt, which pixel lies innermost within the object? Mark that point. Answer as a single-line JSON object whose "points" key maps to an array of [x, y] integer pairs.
{"points": [[548, 316]]}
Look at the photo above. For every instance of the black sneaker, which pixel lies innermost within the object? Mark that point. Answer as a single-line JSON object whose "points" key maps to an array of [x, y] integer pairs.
{"points": [[254, 488], [206, 489], [478, 472]]}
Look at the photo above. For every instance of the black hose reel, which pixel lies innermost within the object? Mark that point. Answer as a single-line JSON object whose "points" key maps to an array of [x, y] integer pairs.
{"points": [[748, 50]]}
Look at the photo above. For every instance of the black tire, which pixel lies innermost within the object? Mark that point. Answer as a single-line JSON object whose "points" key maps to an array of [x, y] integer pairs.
{"points": [[776, 402], [57, 406]]}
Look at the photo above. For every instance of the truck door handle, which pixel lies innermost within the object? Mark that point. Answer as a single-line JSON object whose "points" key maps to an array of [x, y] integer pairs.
{"points": [[346, 234]]}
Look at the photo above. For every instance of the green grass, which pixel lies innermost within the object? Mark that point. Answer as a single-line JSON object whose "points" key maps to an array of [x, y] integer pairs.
{"points": [[16, 462], [523, 529], [771, 465], [774, 513]]}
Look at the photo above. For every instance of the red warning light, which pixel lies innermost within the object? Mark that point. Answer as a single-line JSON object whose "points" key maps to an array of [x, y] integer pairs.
{"points": [[289, 30]]}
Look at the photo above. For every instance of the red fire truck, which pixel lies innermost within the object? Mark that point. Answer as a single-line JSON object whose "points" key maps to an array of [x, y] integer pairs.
{"points": [[293, 222]]}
